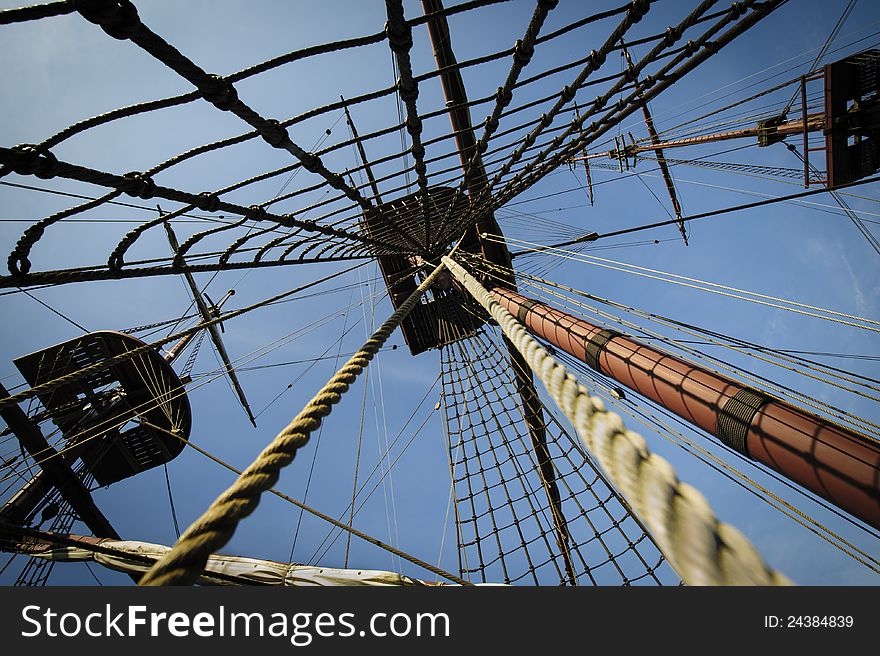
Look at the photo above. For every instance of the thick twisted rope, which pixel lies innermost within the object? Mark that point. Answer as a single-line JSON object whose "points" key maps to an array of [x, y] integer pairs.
{"points": [[701, 549], [210, 532]]}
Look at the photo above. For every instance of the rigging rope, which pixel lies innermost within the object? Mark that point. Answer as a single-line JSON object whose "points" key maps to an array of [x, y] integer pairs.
{"points": [[50, 385], [183, 564], [723, 290], [327, 518], [703, 550]]}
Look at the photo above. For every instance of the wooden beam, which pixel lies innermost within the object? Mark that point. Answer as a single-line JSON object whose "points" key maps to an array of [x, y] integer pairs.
{"points": [[56, 468]]}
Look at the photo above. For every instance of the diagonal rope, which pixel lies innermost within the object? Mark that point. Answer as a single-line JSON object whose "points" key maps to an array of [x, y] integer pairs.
{"points": [[186, 560], [703, 550]]}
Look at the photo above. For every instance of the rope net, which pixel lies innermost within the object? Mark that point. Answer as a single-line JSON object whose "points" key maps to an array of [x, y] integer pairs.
{"points": [[531, 506], [337, 208], [504, 510]]}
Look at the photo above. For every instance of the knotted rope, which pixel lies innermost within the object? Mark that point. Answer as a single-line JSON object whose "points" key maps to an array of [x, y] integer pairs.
{"points": [[210, 532], [701, 549]]}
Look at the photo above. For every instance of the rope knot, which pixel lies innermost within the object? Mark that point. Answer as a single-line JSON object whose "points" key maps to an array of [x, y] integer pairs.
{"points": [[408, 89], [503, 96], [596, 59], [690, 48], [139, 185], [522, 52], [219, 92], [275, 134], [639, 9], [311, 162], [208, 202], [33, 160], [567, 94], [599, 103], [414, 125], [399, 33], [256, 213], [737, 9], [118, 18], [491, 123], [673, 34]]}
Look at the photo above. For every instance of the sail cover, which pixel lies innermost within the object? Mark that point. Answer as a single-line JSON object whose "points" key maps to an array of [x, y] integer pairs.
{"points": [[134, 556]]}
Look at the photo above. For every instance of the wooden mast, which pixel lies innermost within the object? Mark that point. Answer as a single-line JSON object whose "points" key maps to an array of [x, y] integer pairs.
{"points": [[831, 461], [494, 251]]}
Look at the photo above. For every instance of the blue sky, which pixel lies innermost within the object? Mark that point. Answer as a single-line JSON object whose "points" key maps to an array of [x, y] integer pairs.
{"points": [[61, 70]]}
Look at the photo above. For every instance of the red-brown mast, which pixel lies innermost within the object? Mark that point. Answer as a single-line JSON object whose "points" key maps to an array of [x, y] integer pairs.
{"points": [[834, 462]]}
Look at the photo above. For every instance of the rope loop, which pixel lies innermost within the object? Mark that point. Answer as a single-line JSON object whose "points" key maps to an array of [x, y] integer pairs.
{"points": [[208, 202], [33, 160], [139, 185], [219, 92], [118, 18], [523, 52]]}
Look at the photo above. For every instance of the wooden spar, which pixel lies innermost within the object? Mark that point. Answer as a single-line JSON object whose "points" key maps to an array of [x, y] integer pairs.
{"points": [[136, 557], [368, 169], [56, 468], [831, 461], [664, 169], [494, 251], [815, 122], [476, 180], [363, 153], [172, 354], [205, 311]]}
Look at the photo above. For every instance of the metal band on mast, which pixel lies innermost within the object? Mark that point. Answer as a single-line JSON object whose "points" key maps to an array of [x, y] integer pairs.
{"points": [[831, 461], [703, 550]]}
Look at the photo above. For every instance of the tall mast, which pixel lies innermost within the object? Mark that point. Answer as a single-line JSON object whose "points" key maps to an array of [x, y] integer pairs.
{"points": [[56, 468], [832, 461], [476, 183]]}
